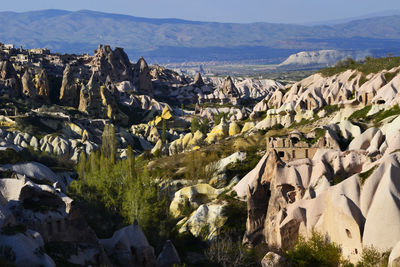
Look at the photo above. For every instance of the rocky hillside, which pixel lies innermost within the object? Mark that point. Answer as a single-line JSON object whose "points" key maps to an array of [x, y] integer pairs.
{"points": [[108, 162]]}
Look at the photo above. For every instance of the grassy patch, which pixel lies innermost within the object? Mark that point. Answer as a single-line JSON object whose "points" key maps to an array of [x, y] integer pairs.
{"points": [[364, 175], [360, 114], [383, 114], [390, 75], [330, 109]]}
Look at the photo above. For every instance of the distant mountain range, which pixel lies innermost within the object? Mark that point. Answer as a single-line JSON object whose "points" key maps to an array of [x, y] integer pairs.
{"points": [[175, 40]]}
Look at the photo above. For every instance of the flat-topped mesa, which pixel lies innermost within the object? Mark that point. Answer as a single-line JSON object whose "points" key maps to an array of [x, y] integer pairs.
{"points": [[114, 63], [142, 77]]}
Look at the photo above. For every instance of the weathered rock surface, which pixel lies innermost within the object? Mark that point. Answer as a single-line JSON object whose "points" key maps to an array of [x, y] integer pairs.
{"points": [[70, 88], [130, 247], [168, 256]]}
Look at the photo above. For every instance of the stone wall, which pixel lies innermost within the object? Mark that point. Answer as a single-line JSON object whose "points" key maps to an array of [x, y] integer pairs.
{"points": [[291, 148]]}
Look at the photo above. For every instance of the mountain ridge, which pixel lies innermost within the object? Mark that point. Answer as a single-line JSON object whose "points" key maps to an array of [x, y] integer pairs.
{"points": [[80, 31]]}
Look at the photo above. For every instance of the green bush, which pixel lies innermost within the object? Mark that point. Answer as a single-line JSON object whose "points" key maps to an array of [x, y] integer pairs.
{"points": [[113, 192], [317, 251], [330, 109], [371, 257], [194, 125], [360, 114], [218, 117]]}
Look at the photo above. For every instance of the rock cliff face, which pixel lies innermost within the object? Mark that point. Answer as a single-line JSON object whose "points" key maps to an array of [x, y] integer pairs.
{"points": [[292, 199], [9, 81], [112, 63], [70, 88], [35, 85], [143, 77]]}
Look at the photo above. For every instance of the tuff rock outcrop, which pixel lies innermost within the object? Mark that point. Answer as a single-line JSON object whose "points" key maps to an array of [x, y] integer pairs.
{"points": [[70, 88]]}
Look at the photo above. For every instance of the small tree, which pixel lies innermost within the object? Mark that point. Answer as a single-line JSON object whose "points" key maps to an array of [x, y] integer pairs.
{"points": [[108, 144], [317, 251], [205, 126], [164, 132], [194, 125]]}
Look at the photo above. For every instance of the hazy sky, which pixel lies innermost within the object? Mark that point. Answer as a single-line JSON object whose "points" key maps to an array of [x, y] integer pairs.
{"points": [[284, 11]]}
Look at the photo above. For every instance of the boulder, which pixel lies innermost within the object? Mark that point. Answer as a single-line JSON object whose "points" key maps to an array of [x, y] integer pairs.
{"points": [[272, 259], [234, 129], [349, 130], [168, 257], [194, 196], [130, 247], [218, 132], [364, 140], [206, 221], [33, 170], [248, 126], [23, 249]]}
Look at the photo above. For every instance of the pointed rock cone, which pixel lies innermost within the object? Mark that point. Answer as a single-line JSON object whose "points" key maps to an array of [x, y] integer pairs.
{"points": [[143, 77], [198, 80], [168, 256], [229, 88]]}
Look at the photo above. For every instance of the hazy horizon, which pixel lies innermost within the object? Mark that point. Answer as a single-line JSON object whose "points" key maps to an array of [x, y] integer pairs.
{"points": [[288, 11]]}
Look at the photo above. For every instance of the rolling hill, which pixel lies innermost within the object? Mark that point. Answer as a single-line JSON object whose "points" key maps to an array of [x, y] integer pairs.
{"points": [[175, 40]]}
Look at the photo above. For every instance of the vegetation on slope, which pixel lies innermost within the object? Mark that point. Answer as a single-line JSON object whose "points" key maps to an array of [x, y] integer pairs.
{"points": [[369, 65], [317, 251], [113, 192]]}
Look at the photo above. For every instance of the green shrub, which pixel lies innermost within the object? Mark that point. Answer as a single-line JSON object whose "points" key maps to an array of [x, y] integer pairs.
{"points": [[371, 257], [330, 109], [317, 251], [360, 114], [218, 117]]}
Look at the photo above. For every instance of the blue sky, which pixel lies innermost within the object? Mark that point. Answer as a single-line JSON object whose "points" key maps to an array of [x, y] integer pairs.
{"points": [[280, 11]]}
